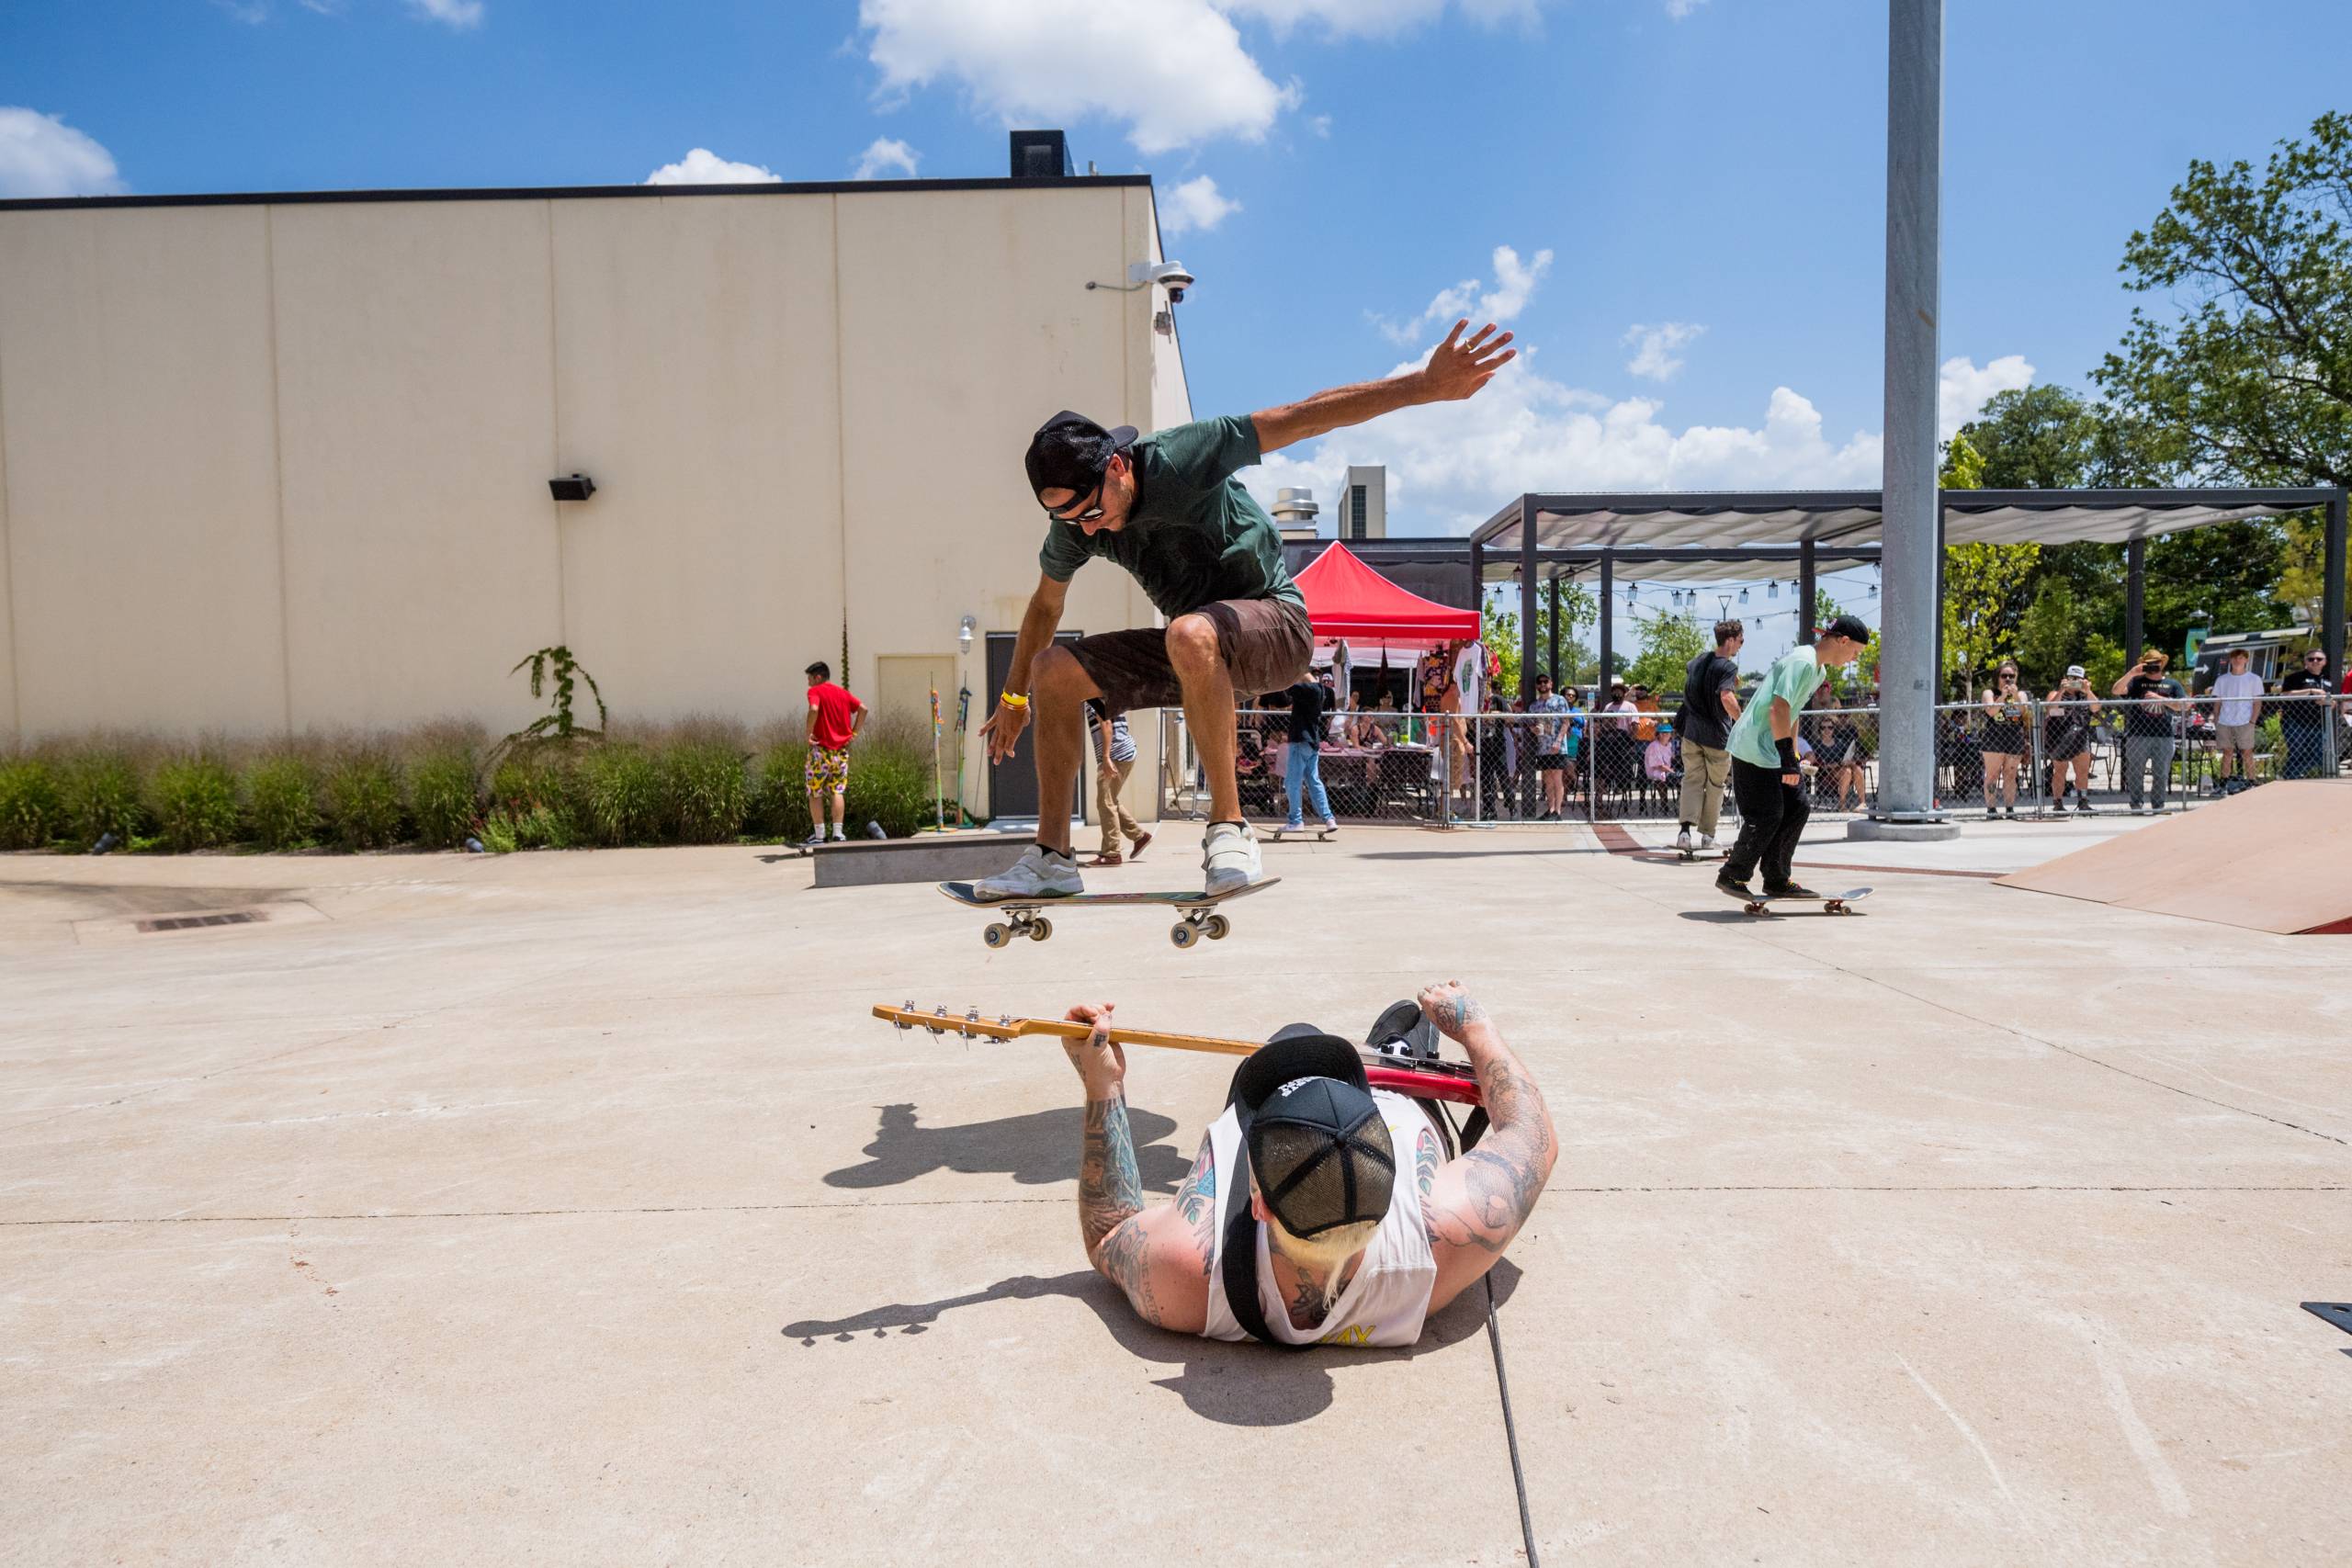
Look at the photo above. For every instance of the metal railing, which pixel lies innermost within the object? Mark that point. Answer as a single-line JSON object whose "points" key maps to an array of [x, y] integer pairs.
{"points": [[2030, 758]]}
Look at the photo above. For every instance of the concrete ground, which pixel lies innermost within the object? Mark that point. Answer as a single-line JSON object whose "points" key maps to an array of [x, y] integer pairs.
{"points": [[571, 1208]]}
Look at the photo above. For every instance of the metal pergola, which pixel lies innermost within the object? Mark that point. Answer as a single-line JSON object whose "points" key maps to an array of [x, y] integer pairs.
{"points": [[1632, 526]]}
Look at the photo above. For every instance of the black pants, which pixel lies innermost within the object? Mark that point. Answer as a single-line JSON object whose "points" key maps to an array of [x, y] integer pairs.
{"points": [[1772, 818]]}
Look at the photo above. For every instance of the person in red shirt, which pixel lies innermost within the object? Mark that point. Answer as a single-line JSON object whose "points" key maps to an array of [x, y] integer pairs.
{"points": [[834, 715]]}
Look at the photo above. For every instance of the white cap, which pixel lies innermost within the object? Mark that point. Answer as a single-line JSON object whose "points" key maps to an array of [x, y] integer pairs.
{"points": [[2074, 671]]}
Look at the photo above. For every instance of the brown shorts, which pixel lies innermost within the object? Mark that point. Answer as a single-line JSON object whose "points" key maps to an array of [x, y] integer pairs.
{"points": [[1266, 645]]}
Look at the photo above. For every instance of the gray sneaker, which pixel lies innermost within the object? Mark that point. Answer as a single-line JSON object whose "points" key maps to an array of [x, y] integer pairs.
{"points": [[1038, 874], [1231, 856]]}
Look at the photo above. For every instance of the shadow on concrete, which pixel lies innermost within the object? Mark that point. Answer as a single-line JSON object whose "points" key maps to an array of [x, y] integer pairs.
{"points": [[1484, 852], [1236, 1385], [1034, 1149]]}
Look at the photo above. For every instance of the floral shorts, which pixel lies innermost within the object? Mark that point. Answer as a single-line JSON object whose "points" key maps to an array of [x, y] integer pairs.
{"points": [[825, 769]]}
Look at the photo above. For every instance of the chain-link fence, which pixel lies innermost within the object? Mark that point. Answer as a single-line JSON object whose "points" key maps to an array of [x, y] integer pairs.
{"points": [[2008, 757]]}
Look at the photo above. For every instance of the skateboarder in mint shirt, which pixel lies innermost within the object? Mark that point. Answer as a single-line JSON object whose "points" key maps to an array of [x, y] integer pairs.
{"points": [[1764, 776], [1167, 507]]}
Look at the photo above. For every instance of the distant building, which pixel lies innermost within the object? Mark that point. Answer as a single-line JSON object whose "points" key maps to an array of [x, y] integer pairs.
{"points": [[1293, 511], [1364, 503]]}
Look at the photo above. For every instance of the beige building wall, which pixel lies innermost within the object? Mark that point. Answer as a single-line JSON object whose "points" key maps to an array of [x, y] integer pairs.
{"points": [[282, 466]]}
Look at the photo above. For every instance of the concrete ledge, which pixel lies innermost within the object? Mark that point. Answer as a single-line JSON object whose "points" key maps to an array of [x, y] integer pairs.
{"points": [[939, 857], [1902, 833]]}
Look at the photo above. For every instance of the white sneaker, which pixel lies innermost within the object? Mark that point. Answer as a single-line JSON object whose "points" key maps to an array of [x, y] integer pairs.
{"points": [[1231, 856], [813, 840], [1038, 874], [1707, 843], [1683, 838]]}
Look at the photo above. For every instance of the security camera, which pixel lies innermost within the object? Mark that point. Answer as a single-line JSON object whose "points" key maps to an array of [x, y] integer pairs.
{"points": [[1174, 275]]}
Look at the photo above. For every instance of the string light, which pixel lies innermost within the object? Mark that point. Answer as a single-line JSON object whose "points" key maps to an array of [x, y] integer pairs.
{"points": [[1743, 596], [1771, 591]]}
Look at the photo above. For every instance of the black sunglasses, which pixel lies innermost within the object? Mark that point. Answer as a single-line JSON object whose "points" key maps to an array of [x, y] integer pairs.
{"points": [[1088, 515]]}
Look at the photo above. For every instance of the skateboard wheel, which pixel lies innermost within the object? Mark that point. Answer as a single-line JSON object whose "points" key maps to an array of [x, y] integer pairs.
{"points": [[1217, 927], [997, 935], [1040, 929], [1182, 934]]}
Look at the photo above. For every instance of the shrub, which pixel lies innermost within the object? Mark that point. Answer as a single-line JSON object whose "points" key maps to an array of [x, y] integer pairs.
{"points": [[194, 803], [441, 796], [496, 831], [779, 806], [363, 800], [282, 800], [100, 792], [535, 794], [889, 781], [32, 812], [620, 795], [706, 795]]}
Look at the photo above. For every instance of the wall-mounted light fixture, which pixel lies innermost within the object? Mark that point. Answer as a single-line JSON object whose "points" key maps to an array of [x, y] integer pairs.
{"points": [[964, 635], [572, 487]]}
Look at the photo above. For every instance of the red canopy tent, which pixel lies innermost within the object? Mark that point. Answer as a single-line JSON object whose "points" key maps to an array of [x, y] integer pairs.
{"points": [[1347, 598]]}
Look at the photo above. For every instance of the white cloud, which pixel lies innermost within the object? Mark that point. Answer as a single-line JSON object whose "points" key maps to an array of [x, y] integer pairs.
{"points": [[1451, 465], [253, 11], [458, 14], [1196, 204], [1515, 284], [42, 155], [886, 152], [1322, 126], [1174, 71], [1677, 9], [704, 167], [1962, 388], [1654, 348]]}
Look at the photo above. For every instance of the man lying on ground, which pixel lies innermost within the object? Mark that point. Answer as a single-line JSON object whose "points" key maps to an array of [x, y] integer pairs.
{"points": [[1342, 1246]]}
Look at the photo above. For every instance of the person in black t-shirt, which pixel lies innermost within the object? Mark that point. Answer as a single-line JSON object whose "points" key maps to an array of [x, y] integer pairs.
{"points": [[1710, 706], [2153, 704], [1301, 760], [2304, 715]]}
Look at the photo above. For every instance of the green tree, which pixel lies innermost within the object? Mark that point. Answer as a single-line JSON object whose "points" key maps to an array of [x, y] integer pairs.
{"points": [[1669, 645], [2254, 377], [1499, 627], [1987, 588]]}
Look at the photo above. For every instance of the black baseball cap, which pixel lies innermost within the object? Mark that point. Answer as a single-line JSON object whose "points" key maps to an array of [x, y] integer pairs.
{"points": [[1069, 452], [1317, 1142], [1848, 626]]}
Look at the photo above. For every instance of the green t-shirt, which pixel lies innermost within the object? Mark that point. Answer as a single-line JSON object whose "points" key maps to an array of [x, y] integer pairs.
{"points": [[1195, 535], [1794, 678]]}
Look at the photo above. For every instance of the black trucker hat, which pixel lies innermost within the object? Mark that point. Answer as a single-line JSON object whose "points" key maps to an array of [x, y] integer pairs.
{"points": [[1318, 1144], [1848, 626], [1069, 451]]}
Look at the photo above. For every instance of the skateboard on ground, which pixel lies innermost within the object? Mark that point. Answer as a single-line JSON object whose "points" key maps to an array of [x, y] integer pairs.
{"points": [[1695, 853], [1198, 910], [1322, 831], [1831, 903]]}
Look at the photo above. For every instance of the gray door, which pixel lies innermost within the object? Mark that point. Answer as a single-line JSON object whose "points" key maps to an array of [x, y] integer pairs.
{"points": [[1012, 783]]}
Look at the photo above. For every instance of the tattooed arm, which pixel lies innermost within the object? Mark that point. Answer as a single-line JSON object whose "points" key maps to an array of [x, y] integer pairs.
{"points": [[1158, 1255], [1474, 1205]]}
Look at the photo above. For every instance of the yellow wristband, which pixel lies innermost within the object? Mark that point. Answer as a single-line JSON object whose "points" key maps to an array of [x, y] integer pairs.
{"points": [[1015, 700]]}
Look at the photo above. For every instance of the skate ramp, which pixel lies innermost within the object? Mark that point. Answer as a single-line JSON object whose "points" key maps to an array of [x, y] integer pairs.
{"points": [[2275, 858]]}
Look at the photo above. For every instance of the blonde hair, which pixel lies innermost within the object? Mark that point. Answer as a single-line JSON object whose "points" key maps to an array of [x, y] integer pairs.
{"points": [[1326, 1253]]}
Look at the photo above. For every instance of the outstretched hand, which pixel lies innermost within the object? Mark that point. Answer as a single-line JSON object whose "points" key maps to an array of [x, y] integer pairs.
{"points": [[1459, 367], [1102, 1064], [1003, 728]]}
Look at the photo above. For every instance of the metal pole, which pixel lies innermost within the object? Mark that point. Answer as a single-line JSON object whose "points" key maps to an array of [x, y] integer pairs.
{"points": [[1556, 631], [1805, 612], [2332, 597], [2135, 596], [1941, 693], [1608, 623], [1479, 580], [1914, 306], [1527, 665]]}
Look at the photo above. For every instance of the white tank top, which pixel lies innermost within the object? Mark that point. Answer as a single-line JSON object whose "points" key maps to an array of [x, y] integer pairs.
{"points": [[1388, 1297]]}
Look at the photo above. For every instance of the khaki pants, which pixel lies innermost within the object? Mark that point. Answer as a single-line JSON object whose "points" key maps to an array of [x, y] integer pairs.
{"points": [[1108, 781], [1704, 771]]}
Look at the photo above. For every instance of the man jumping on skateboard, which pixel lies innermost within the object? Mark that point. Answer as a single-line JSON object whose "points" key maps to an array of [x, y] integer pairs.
{"points": [[1350, 1227], [1167, 507], [1764, 776]]}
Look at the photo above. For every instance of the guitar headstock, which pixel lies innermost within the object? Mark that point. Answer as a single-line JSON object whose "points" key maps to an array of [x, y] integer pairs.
{"points": [[939, 1021]]}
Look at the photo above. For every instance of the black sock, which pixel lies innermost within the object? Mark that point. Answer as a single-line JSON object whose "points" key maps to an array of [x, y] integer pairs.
{"points": [[1049, 849]]}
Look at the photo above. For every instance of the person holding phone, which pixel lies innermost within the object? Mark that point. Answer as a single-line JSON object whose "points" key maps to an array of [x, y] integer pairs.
{"points": [[2004, 712], [2066, 737], [2150, 736]]}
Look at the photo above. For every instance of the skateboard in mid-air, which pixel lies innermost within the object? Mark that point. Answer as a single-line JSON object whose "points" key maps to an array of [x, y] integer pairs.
{"points": [[1831, 903], [1198, 910], [1322, 831]]}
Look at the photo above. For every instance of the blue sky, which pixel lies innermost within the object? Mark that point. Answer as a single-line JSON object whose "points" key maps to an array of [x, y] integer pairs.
{"points": [[1710, 171]]}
